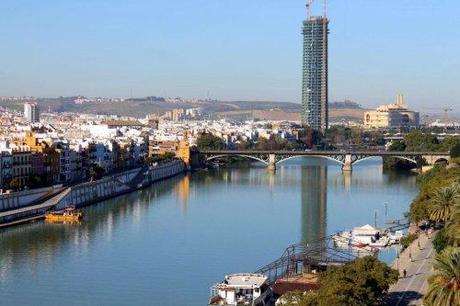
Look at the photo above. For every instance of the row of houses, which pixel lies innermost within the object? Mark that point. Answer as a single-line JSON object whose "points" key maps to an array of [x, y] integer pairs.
{"points": [[34, 162]]}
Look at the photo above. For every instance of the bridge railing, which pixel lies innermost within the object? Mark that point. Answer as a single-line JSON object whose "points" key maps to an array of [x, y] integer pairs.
{"points": [[330, 152]]}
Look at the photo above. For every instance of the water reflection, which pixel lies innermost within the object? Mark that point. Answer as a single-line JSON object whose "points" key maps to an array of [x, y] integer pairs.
{"points": [[313, 202], [189, 231], [183, 191], [30, 245]]}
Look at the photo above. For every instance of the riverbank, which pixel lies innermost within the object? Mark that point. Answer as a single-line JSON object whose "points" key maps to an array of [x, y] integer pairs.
{"points": [[416, 261], [88, 192]]}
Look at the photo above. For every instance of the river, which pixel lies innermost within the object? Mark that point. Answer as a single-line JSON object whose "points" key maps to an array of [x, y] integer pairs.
{"points": [[167, 244]]}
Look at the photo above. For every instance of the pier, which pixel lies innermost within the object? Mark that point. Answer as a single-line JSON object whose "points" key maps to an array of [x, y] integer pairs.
{"points": [[308, 258]]}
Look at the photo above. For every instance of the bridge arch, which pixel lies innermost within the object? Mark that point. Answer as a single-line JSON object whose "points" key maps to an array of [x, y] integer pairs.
{"points": [[406, 158], [320, 156], [365, 158], [240, 155], [398, 157], [441, 160]]}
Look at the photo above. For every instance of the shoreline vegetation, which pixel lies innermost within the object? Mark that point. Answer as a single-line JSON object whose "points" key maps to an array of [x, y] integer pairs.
{"points": [[437, 206], [438, 202]]}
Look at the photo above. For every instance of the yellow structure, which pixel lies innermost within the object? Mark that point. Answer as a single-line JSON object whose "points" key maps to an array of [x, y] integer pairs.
{"points": [[33, 143], [393, 115], [183, 150]]}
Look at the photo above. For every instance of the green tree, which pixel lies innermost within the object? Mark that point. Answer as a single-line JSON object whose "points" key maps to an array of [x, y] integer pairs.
{"points": [[208, 141], [444, 285], [35, 181], [429, 183], [397, 145], [14, 184], [167, 156], [244, 145], [453, 226], [363, 282], [442, 203], [451, 144], [95, 172], [275, 142], [455, 150], [440, 241], [309, 137], [397, 163], [419, 141], [299, 298]]}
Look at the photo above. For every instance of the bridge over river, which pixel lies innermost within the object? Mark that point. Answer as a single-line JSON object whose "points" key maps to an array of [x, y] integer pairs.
{"points": [[346, 158]]}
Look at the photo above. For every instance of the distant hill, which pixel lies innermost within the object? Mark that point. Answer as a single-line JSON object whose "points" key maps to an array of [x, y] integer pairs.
{"points": [[139, 107], [344, 104]]}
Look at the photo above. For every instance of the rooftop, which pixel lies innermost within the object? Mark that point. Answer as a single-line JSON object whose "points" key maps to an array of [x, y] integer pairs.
{"points": [[243, 280]]}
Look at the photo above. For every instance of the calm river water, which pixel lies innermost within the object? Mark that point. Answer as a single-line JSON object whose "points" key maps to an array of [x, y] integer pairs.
{"points": [[167, 244]]}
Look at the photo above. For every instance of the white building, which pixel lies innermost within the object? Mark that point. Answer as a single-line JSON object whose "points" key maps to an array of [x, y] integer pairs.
{"points": [[31, 112]]}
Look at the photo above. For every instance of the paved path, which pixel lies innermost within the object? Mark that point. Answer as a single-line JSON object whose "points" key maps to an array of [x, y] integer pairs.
{"points": [[409, 290]]}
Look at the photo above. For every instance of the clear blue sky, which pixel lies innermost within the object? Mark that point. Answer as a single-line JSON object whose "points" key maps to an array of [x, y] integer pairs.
{"points": [[235, 49]]}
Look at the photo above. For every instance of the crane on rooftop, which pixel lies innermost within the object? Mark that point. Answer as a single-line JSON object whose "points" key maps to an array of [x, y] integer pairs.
{"points": [[309, 5]]}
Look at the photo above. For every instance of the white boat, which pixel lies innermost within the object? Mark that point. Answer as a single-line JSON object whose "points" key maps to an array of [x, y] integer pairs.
{"points": [[380, 243], [365, 234], [237, 289], [395, 237], [342, 240]]}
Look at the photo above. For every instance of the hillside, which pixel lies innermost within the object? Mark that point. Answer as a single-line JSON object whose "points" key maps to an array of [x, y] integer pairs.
{"points": [[139, 107]]}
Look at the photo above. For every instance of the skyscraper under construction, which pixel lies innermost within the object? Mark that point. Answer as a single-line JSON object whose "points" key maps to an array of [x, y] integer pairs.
{"points": [[314, 79]]}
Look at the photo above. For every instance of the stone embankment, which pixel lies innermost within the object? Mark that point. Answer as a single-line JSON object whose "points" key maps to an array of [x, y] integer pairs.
{"points": [[33, 204]]}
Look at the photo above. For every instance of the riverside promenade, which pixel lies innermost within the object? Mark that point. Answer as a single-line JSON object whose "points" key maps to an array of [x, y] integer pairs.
{"points": [[409, 290]]}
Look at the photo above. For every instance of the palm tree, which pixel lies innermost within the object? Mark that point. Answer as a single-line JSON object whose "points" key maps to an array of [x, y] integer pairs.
{"points": [[444, 199], [444, 285], [453, 226]]}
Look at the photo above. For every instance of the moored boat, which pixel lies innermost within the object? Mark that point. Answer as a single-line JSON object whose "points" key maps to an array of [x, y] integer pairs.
{"points": [[237, 289], [380, 243], [68, 214]]}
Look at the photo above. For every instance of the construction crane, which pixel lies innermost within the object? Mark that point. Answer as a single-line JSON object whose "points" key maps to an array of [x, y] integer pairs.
{"points": [[446, 114], [446, 119], [310, 3]]}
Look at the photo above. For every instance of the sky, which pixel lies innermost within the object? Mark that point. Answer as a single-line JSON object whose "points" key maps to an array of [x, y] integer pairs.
{"points": [[229, 49]]}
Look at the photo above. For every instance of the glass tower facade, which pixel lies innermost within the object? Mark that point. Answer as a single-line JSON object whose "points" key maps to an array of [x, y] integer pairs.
{"points": [[314, 77]]}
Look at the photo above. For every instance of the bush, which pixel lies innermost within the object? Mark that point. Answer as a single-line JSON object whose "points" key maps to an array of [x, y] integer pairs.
{"points": [[167, 156], [208, 141], [440, 241], [455, 150], [364, 282], [299, 298], [407, 240]]}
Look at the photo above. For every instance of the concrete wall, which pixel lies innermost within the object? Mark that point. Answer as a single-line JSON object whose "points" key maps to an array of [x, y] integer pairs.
{"points": [[23, 198], [87, 193]]}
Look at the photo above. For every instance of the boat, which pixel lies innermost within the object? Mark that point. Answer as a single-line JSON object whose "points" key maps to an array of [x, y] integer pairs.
{"points": [[342, 240], [68, 214], [365, 235], [380, 243], [395, 237], [360, 237], [248, 289]]}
